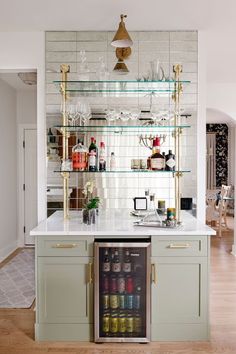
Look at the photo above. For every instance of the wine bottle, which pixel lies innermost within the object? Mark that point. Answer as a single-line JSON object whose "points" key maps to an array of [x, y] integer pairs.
{"points": [[93, 155], [116, 265], [106, 264], [127, 262], [170, 161]]}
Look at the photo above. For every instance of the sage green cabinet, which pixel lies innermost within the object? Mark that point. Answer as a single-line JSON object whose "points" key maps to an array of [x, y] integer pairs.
{"points": [[65, 294], [179, 298]]}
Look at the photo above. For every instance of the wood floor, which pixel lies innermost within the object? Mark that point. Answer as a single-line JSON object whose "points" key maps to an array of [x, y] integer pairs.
{"points": [[17, 326]]}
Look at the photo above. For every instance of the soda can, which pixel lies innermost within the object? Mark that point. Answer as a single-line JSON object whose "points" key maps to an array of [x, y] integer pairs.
{"points": [[122, 302], [105, 283], [121, 284], [114, 303], [137, 324], [114, 323], [105, 302], [129, 285], [106, 323], [129, 324], [113, 284], [136, 301], [130, 302], [122, 324]]}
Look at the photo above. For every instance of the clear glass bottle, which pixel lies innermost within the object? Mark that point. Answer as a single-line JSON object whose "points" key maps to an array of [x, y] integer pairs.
{"points": [[152, 214], [102, 158]]}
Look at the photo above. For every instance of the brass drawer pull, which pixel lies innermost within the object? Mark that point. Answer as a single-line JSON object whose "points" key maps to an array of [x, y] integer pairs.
{"points": [[153, 273], [179, 245], [90, 273], [65, 245]]}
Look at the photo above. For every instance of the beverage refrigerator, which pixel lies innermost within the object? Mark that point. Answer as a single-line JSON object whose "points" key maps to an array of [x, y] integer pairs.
{"points": [[122, 291]]}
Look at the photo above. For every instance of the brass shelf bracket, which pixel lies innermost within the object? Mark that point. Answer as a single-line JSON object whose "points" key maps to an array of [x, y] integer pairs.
{"points": [[65, 69]]}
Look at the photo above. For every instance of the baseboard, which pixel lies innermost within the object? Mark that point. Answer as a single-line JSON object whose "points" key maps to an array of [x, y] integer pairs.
{"points": [[6, 251]]}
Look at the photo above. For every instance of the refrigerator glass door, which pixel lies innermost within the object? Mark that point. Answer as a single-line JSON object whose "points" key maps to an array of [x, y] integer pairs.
{"points": [[122, 292]]}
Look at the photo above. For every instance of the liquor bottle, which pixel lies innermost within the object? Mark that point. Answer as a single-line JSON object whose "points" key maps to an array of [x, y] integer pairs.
{"points": [[157, 159], [116, 265], [79, 157], [112, 162], [106, 264], [164, 156], [93, 155], [127, 262], [102, 161], [170, 161]]}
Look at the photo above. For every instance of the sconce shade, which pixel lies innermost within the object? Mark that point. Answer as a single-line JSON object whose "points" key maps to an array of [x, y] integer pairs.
{"points": [[122, 38]]}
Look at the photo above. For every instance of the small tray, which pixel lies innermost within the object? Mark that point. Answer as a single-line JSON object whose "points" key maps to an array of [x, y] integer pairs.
{"points": [[154, 224]]}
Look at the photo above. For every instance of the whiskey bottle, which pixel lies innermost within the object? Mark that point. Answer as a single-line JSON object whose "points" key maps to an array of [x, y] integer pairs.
{"points": [[157, 159]]}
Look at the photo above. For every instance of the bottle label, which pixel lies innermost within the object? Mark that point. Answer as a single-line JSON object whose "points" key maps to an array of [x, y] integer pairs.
{"points": [[92, 160], [157, 163], [170, 163], [127, 267], [106, 267], [116, 267]]}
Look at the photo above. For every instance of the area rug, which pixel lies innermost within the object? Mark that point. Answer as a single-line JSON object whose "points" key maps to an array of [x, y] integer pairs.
{"points": [[17, 288]]}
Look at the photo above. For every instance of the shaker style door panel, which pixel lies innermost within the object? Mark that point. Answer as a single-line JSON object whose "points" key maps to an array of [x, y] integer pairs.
{"points": [[65, 294], [179, 294]]}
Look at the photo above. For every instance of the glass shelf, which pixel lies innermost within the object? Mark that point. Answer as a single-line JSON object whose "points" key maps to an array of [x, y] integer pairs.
{"points": [[120, 128], [106, 88], [126, 171]]}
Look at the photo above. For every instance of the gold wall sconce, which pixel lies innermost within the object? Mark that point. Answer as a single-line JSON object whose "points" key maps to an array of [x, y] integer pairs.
{"points": [[122, 42]]}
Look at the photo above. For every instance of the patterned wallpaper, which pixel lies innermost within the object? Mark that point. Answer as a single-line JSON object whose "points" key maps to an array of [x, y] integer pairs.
{"points": [[221, 131]]}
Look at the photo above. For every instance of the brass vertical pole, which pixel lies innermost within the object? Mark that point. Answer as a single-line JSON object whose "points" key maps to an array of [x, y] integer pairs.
{"points": [[178, 89], [65, 69]]}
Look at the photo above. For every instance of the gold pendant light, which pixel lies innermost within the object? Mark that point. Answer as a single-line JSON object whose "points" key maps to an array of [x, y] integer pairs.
{"points": [[122, 38]]}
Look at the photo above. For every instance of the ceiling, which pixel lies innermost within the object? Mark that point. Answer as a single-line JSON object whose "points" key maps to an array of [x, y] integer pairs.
{"points": [[215, 17]]}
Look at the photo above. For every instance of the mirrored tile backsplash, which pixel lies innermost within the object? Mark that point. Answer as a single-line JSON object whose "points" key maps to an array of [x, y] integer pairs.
{"points": [[117, 190]]}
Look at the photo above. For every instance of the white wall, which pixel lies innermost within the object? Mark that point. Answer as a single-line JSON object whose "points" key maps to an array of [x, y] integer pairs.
{"points": [[25, 50], [26, 107], [8, 209]]}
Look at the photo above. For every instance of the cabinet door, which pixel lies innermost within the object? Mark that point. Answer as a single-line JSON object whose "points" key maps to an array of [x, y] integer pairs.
{"points": [[64, 290], [179, 294]]}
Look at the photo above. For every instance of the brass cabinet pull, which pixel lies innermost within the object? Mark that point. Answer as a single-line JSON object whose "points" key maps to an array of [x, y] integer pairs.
{"points": [[179, 245], [65, 245], [154, 273], [90, 273]]}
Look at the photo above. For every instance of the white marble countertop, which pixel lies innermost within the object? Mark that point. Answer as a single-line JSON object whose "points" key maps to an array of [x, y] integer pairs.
{"points": [[115, 223]]}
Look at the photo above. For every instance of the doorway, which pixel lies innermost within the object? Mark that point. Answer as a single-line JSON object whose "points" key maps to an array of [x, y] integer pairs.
{"points": [[23, 85]]}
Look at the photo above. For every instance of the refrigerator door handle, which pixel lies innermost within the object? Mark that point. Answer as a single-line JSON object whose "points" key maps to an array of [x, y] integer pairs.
{"points": [[153, 273], [90, 273]]}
